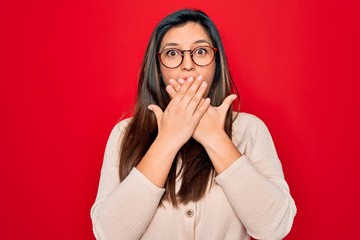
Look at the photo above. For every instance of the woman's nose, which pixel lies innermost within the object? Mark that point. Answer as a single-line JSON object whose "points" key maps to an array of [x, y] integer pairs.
{"points": [[187, 63]]}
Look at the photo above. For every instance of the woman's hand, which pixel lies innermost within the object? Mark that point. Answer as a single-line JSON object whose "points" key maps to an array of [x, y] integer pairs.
{"points": [[212, 122], [210, 131], [182, 115]]}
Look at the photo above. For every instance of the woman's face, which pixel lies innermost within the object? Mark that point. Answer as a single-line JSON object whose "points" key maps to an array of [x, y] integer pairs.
{"points": [[187, 37]]}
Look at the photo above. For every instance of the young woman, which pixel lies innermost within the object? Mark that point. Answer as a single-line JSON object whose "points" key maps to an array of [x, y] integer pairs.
{"points": [[185, 166]]}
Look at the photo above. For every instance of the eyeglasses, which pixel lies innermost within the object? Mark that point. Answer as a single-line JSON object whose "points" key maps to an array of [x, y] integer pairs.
{"points": [[201, 56]]}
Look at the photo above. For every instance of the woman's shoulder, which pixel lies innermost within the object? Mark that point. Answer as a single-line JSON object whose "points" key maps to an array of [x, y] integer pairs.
{"points": [[244, 118], [119, 128], [121, 125], [247, 124]]}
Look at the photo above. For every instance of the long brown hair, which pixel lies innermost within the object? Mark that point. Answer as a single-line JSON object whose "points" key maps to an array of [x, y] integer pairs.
{"points": [[196, 169]]}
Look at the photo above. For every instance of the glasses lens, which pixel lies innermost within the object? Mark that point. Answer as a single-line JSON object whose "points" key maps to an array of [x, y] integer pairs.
{"points": [[203, 56], [171, 58]]}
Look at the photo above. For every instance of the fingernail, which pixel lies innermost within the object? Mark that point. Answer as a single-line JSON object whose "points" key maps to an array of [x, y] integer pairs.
{"points": [[200, 77], [149, 107], [181, 81], [169, 89], [203, 84], [171, 81], [234, 97], [190, 79]]}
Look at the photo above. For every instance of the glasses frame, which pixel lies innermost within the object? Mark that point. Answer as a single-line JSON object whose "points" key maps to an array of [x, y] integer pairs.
{"points": [[191, 55]]}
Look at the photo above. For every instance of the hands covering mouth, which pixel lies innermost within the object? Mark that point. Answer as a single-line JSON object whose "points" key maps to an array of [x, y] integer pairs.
{"points": [[189, 113]]}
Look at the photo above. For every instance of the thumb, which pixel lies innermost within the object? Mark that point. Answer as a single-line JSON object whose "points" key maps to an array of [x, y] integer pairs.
{"points": [[157, 111], [227, 102]]}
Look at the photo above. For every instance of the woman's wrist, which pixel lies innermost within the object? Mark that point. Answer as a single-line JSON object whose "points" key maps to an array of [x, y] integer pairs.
{"points": [[212, 138], [156, 163], [221, 151], [169, 144]]}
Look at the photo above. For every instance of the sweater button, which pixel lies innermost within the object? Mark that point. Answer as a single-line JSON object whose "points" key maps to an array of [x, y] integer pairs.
{"points": [[189, 213]]}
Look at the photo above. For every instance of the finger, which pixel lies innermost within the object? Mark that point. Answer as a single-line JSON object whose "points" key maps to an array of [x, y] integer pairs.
{"points": [[200, 111], [201, 102], [183, 89], [157, 111], [181, 81], [192, 91], [227, 102], [175, 85], [193, 104], [171, 91]]}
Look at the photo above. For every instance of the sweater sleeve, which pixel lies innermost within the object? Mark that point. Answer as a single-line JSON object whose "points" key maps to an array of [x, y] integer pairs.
{"points": [[122, 210], [257, 191]]}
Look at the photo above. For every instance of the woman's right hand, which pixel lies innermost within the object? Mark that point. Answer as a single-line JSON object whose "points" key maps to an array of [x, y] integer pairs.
{"points": [[182, 115]]}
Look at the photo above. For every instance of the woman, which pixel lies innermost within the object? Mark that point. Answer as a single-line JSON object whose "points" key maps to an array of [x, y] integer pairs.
{"points": [[185, 166]]}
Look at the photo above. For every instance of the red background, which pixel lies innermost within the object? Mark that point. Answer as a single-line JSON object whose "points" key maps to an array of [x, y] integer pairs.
{"points": [[68, 72]]}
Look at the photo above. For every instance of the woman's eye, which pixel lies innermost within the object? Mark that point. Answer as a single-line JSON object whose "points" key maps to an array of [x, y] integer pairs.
{"points": [[201, 51], [171, 53]]}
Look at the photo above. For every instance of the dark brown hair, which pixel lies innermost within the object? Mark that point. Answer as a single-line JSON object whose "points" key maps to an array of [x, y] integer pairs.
{"points": [[196, 169]]}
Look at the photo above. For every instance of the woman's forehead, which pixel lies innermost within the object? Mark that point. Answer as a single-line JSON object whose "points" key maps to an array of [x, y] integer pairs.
{"points": [[185, 35]]}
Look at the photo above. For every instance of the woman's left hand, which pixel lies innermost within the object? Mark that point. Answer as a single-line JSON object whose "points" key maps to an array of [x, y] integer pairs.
{"points": [[212, 122]]}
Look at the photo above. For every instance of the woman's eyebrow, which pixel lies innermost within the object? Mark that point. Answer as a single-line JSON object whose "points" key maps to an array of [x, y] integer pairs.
{"points": [[201, 41], [176, 44], [170, 45]]}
